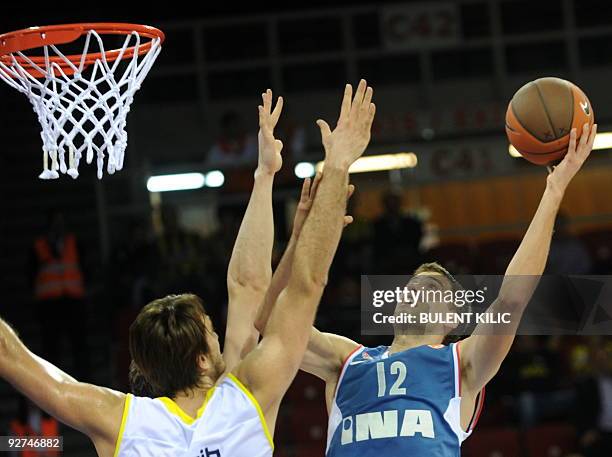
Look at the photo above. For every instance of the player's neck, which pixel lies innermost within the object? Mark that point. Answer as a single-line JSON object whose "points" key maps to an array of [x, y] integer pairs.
{"points": [[190, 401], [403, 342]]}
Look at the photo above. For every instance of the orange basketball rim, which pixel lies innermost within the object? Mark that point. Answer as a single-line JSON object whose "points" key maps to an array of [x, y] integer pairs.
{"points": [[53, 35]]}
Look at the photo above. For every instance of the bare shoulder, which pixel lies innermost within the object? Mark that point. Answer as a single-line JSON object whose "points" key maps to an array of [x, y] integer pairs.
{"points": [[480, 358], [326, 354], [109, 411], [341, 346]]}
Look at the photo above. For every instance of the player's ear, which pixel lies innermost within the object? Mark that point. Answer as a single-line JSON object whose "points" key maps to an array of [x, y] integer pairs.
{"points": [[203, 362], [452, 324]]}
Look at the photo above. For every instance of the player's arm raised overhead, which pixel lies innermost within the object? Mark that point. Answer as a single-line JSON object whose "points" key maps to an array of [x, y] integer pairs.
{"points": [[281, 275], [326, 351], [250, 270], [93, 410], [270, 369], [482, 354]]}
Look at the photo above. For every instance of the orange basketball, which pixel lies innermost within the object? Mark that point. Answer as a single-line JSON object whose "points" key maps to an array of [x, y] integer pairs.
{"points": [[541, 115]]}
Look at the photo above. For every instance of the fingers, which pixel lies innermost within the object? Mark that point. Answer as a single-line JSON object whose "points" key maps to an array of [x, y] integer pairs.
{"points": [[277, 111], [587, 139], [267, 101], [585, 148], [268, 118], [345, 109], [263, 124], [576, 154], [364, 112], [351, 191], [358, 100], [584, 137], [371, 114], [305, 189], [367, 99], [592, 136], [279, 145], [361, 89], [264, 110], [325, 130], [571, 149]]}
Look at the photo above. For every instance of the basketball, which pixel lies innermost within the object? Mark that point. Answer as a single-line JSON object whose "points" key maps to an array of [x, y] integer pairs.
{"points": [[541, 115]]}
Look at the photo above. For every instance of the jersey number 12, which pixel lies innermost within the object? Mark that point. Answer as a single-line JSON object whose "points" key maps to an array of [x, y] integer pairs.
{"points": [[397, 369]]}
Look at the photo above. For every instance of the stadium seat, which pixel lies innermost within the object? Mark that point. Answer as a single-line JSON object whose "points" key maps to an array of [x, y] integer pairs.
{"points": [[493, 442], [554, 440]]}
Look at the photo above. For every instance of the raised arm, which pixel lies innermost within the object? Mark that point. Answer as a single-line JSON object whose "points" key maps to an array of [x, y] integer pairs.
{"points": [[93, 410], [270, 369], [482, 354], [250, 270], [326, 351], [280, 278]]}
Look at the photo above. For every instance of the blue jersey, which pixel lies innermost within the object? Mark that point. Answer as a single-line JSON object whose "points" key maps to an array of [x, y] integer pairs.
{"points": [[398, 405]]}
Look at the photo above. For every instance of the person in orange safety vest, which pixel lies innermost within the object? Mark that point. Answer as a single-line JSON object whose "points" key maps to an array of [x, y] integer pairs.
{"points": [[58, 287], [32, 422]]}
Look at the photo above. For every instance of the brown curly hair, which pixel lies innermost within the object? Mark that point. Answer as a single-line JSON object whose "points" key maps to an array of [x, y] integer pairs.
{"points": [[166, 340]]}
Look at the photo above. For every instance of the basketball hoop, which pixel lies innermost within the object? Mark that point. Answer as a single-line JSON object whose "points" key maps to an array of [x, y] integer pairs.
{"points": [[81, 100]]}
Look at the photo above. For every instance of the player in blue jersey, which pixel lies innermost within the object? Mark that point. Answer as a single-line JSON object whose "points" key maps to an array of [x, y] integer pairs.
{"points": [[419, 397]]}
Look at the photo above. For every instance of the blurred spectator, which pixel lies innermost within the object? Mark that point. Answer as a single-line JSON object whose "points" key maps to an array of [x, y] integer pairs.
{"points": [[235, 145], [32, 422], [568, 254], [345, 306], [537, 380], [133, 267], [397, 238], [355, 250], [360, 230], [431, 237], [56, 277], [218, 250], [293, 136], [594, 405], [180, 255]]}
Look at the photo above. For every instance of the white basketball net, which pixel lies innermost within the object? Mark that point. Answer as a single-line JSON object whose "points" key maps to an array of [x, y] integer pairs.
{"points": [[82, 115]]}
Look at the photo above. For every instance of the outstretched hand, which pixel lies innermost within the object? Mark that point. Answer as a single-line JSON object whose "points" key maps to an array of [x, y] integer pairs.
{"points": [[270, 159], [561, 175], [348, 141], [309, 190]]}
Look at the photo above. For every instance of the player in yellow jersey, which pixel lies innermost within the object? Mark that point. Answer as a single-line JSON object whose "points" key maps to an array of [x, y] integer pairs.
{"points": [[213, 404]]}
